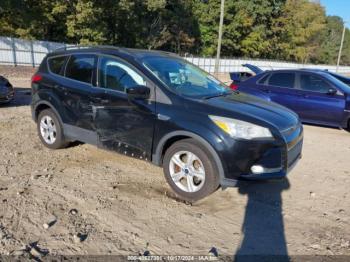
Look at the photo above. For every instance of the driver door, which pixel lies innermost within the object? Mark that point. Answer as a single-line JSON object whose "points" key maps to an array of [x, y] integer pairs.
{"points": [[316, 103], [122, 124]]}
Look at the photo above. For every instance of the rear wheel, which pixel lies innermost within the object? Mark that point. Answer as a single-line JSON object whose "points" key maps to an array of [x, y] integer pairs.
{"points": [[190, 170], [50, 130]]}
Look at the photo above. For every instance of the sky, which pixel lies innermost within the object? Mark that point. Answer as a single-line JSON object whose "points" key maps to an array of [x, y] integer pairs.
{"points": [[338, 7]]}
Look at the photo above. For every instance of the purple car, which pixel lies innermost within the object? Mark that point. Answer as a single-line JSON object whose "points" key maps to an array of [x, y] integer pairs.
{"points": [[317, 96]]}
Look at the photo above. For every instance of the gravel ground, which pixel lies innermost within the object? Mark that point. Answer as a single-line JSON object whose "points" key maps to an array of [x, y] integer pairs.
{"points": [[83, 200]]}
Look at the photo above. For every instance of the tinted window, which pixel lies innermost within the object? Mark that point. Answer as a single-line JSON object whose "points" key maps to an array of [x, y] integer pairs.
{"points": [[81, 67], [282, 80], [116, 75], [314, 83], [262, 81], [56, 64]]}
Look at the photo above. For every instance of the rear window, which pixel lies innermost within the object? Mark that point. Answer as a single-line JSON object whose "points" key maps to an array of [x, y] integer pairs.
{"points": [[81, 68], [56, 64], [262, 81], [282, 80]]}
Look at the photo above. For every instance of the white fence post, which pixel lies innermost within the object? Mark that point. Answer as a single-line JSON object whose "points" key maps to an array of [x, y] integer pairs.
{"points": [[32, 53], [14, 51]]}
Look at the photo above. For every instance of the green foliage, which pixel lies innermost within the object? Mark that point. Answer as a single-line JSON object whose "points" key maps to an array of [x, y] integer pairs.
{"points": [[294, 30], [297, 28], [84, 24], [329, 40]]}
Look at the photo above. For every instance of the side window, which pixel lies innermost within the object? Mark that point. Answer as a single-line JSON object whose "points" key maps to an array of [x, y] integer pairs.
{"points": [[282, 80], [262, 80], [81, 68], [116, 75], [56, 64], [313, 83]]}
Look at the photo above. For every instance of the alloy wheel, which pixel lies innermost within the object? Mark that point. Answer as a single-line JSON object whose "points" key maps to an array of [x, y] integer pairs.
{"points": [[48, 130], [187, 171]]}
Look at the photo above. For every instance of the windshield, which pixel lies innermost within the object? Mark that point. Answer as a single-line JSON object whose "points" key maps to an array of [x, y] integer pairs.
{"points": [[341, 78], [185, 78], [339, 83]]}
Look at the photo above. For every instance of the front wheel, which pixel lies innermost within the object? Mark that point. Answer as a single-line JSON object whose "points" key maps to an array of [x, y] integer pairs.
{"points": [[190, 170]]}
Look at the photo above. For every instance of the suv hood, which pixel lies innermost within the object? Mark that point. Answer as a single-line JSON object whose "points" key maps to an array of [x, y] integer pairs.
{"points": [[252, 107]]}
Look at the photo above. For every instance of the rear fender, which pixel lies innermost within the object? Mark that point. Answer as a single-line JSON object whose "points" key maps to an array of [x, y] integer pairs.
{"points": [[50, 100]]}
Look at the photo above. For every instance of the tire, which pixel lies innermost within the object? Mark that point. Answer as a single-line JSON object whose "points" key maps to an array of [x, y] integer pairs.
{"points": [[189, 183], [49, 124]]}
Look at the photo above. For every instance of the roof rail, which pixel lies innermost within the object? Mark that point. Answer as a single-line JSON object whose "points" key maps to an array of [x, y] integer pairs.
{"points": [[75, 47], [108, 46]]}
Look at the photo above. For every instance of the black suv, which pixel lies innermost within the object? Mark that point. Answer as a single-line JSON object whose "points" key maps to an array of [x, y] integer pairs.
{"points": [[158, 107]]}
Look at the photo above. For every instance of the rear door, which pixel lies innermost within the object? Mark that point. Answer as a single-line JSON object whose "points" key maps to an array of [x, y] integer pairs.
{"points": [[315, 101], [280, 87], [75, 89], [122, 124]]}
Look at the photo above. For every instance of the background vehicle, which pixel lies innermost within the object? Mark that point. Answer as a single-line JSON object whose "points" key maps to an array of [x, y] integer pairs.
{"points": [[6, 90], [158, 107], [238, 77], [317, 96]]}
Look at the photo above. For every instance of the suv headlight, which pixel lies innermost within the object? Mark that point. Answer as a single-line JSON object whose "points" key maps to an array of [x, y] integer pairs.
{"points": [[241, 129]]}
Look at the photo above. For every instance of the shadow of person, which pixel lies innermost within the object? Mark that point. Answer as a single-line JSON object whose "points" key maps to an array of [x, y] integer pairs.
{"points": [[263, 227]]}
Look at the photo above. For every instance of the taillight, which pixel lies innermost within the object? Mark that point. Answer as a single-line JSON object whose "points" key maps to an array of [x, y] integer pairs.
{"points": [[233, 86], [36, 78]]}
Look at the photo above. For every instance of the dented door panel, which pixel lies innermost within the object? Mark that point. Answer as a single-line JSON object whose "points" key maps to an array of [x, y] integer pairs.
{"points": [[124, 126]]}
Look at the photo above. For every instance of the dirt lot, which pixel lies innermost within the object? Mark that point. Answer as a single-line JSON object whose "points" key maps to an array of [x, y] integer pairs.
{"points": [[119, 205]]}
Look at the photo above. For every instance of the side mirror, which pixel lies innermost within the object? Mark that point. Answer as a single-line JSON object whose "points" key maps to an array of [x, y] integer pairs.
{"points": [[138, 92], [332, 91]]}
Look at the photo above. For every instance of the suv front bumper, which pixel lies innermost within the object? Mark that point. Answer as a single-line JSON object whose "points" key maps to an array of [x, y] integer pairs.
{"points": [[289, 159], [263, 159]]}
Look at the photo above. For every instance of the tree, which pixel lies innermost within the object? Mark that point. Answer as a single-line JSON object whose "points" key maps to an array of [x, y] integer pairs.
{"points": [[296, 30], [345, 59], [329, 40], [168, 31], [247, 26], [84, 25]]}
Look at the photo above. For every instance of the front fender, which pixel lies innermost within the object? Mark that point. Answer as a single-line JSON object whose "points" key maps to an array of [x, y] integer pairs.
{"points": [[206, 137], [255, 92]]}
